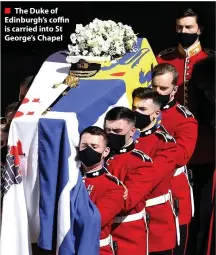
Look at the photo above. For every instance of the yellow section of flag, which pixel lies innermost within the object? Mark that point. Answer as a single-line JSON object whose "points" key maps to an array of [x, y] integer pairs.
{"points": [[134, 68]]}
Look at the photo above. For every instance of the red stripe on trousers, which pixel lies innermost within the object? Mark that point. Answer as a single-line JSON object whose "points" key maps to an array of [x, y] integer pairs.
{"points": [[212, 216], [186, 241]]}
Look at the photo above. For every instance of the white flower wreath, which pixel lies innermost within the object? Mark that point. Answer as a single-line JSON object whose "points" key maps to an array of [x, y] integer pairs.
{"points": [[106, 39]]}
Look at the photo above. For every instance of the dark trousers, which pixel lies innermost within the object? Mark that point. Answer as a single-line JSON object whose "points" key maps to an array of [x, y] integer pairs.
{"points": [[199, 227], [181, 249], [167, 252]]}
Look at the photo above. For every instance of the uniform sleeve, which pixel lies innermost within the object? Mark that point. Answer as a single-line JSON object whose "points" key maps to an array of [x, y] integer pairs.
{"points": [[111, 204], [138, 183], [186, 138], [164, 161]]}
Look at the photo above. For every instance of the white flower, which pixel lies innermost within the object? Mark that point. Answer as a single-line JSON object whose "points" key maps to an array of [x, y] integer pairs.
{"points": [[74, 50], [70, 47], [112, 23], [82, 46], [92, 25], [73, 38], [96, 51], [100, 24], [105, 47], [87, 34], [91, 43], [127, 27], [102, 38], [85, 53], [79, 28], [80, 39], [130, 43]]}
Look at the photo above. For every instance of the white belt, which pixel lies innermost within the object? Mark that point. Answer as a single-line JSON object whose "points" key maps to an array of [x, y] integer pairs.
{"points": [[129, 218], [135, 217], [106, 241], [158, 200], [161, 200], [179, 171]]}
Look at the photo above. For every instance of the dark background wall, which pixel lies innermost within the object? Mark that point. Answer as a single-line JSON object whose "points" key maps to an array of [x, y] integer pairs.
{"points": [[153, 20]]}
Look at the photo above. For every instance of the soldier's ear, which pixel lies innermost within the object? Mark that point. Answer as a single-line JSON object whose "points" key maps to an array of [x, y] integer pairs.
{"points": [[157, 113], [106, 152], [200, 31], [175, 88], [132, 131]]}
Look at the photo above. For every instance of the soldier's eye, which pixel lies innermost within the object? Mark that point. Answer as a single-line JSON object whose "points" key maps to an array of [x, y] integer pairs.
{"points": [[134, 108], [142, 109], [163, 89], [107, 130]]}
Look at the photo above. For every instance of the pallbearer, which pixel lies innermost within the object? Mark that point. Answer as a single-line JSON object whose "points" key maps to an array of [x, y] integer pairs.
{"points": [[161, 147], [181, 124], [104, 189], [135, 169]]}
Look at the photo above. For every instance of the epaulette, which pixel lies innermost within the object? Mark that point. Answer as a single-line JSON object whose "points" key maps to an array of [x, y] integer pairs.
{"points": [[163, 129], [167, 51], [210, 52], [184, 111], [141, 155], [111, 177], [165, 136], [115, 179]]}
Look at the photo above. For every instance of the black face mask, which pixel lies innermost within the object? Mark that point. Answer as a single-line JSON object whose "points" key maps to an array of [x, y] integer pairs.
{"points": [[186, 40], [89, 157], [165, 99], [116, 142], [142, 120]]}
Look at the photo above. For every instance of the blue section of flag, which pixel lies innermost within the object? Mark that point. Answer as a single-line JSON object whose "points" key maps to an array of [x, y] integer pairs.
{"points": [[136, 135], [83, 227], [159, 119], [90, 100], [141, 54], [130, 55], [145, 77], [53, 153]]}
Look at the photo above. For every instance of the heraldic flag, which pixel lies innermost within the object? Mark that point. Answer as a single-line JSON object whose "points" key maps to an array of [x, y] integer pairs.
{"points": [[58, 214]]}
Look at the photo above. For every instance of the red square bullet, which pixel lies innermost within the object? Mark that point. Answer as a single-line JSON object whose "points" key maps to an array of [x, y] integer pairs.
{"points": [[7, 10]]}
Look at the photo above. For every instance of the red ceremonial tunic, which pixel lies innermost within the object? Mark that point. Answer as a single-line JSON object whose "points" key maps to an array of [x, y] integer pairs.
{"points": [[163, 150], [184, 61], [136, 171], [108, 197], [181, 124]]}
